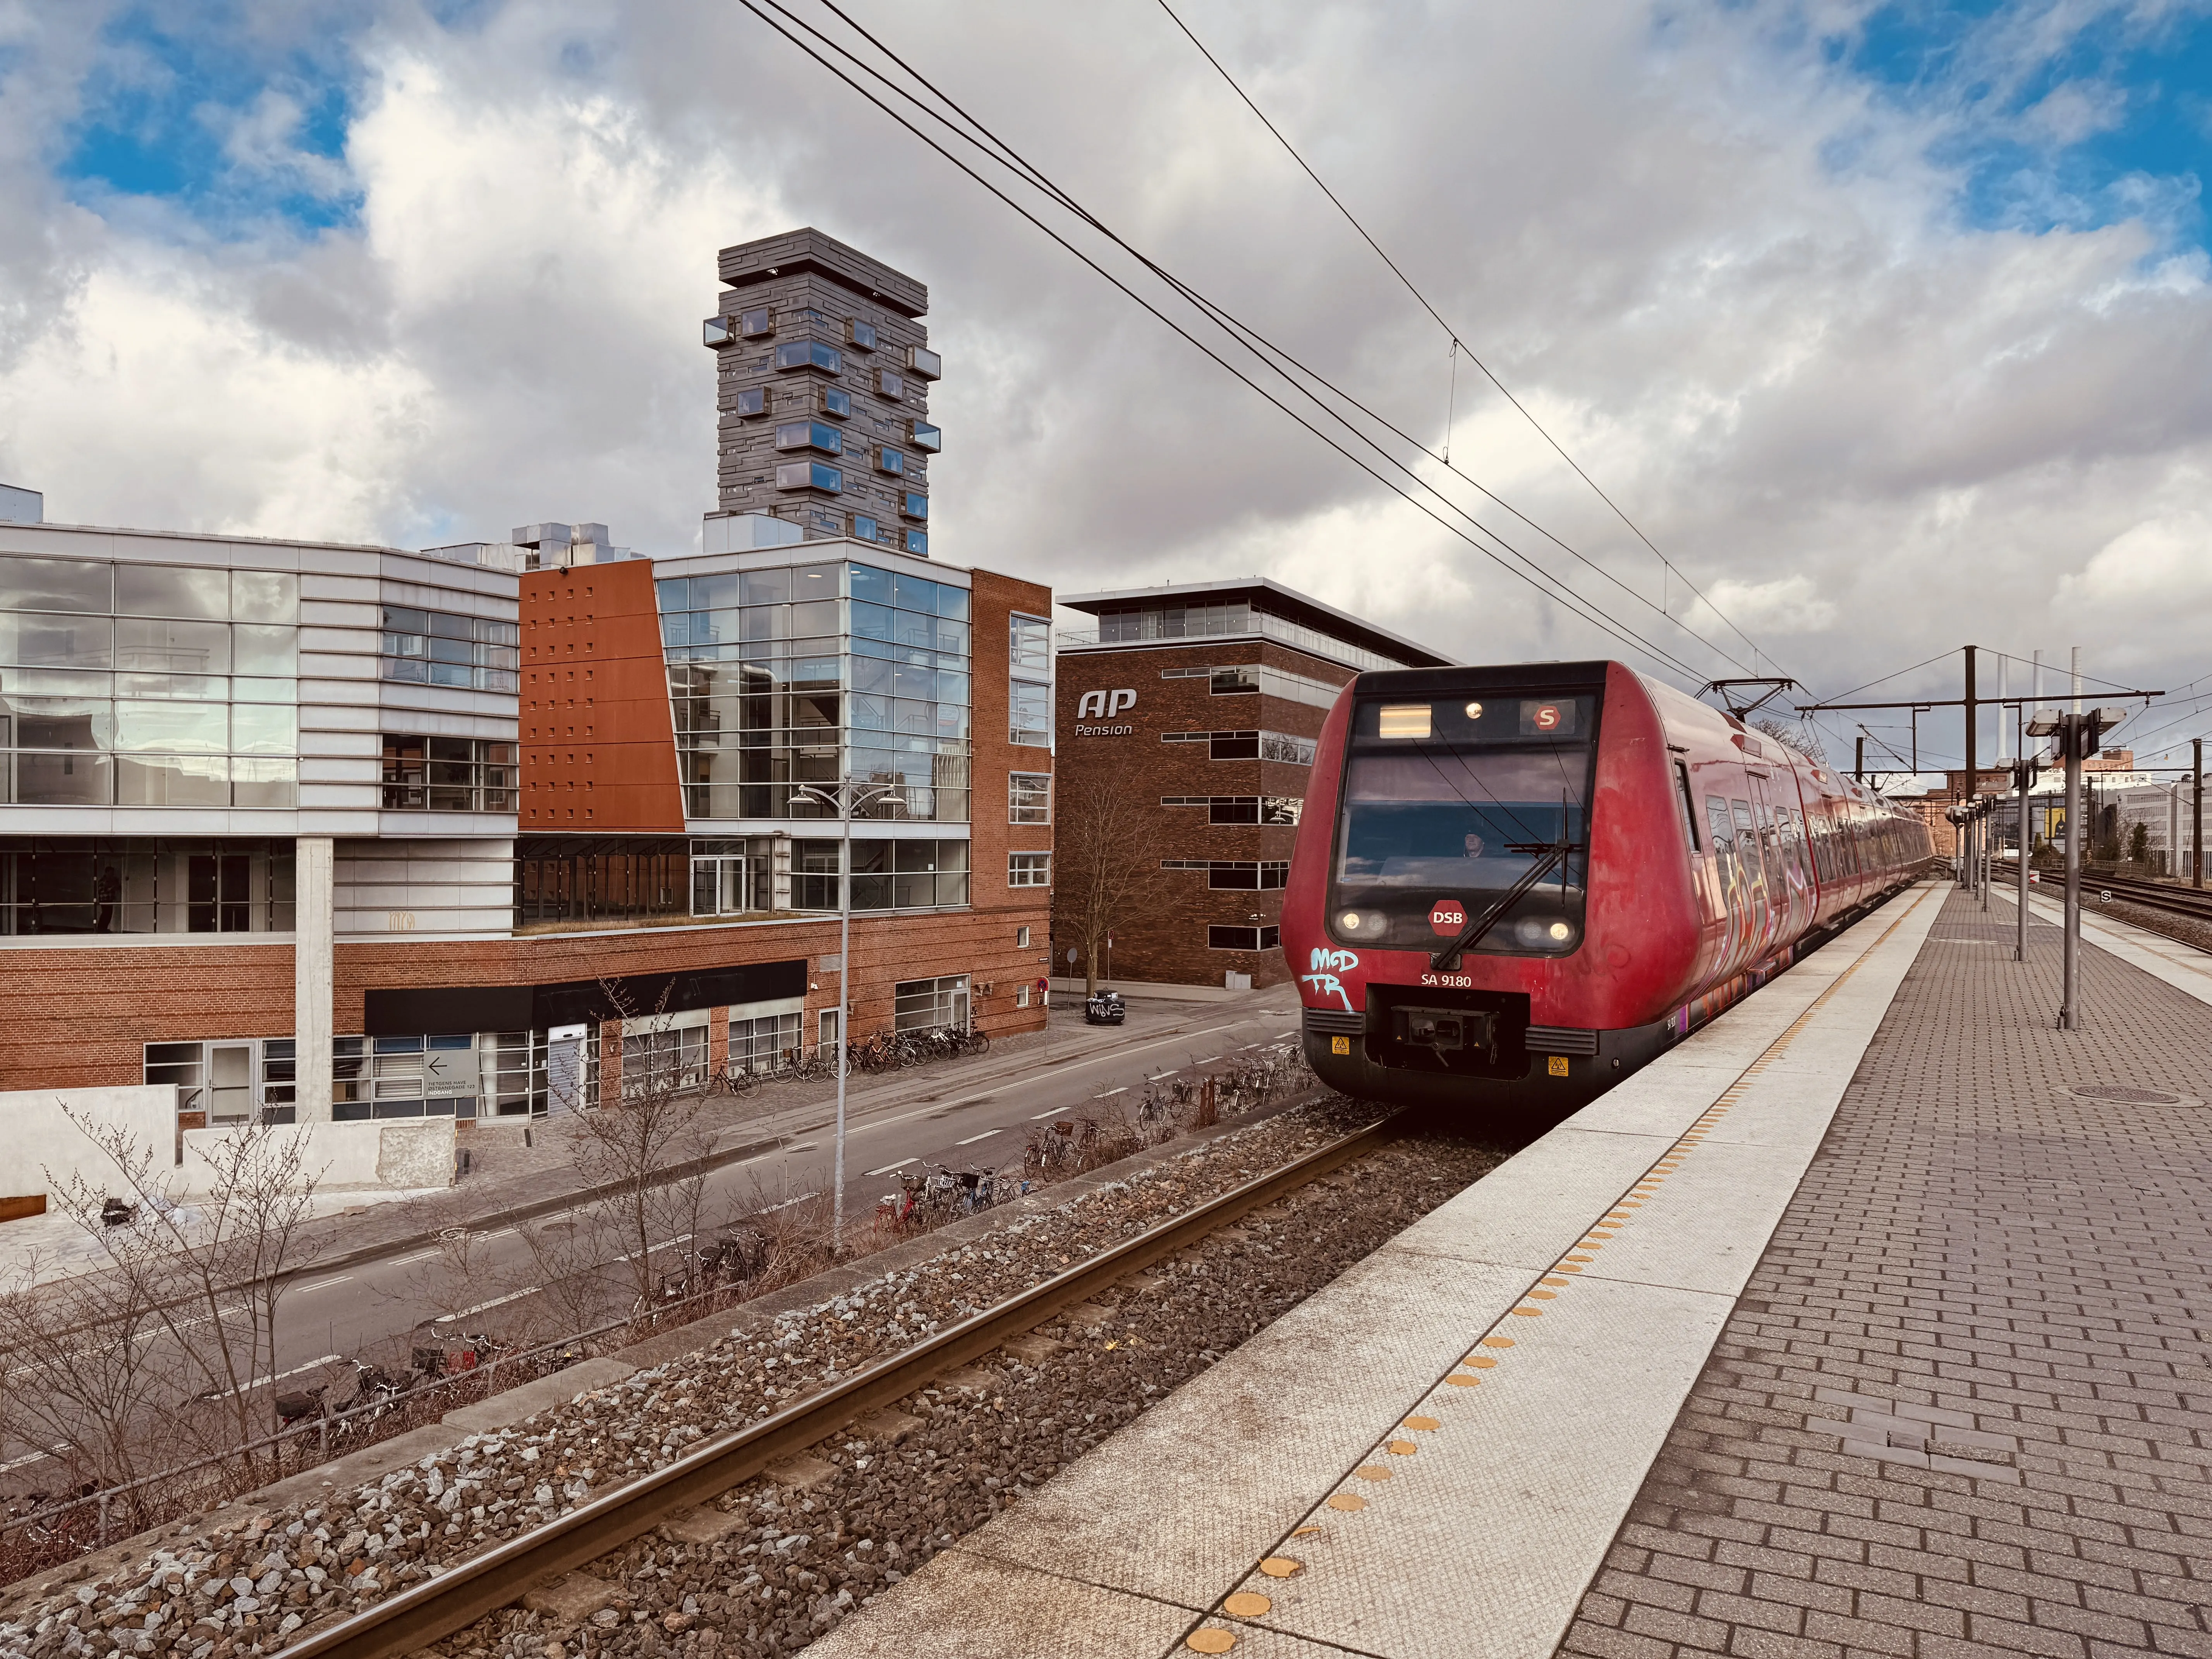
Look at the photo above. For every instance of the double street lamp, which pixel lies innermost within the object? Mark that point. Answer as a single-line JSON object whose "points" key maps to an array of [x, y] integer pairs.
{"points": [[843, 797], [2079, 734]]}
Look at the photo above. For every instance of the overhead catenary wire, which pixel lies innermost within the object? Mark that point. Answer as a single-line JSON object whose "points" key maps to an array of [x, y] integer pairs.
{"points": [[1665, 564], [1535, 574], [973, 131]]}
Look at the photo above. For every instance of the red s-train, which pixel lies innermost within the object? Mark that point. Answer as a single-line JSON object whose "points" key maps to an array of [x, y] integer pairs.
{"points": [[1520, 883]]}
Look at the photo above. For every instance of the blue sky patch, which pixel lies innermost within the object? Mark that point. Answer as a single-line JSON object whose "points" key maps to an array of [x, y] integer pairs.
{"points": [[2059, 119], [234, 130]]}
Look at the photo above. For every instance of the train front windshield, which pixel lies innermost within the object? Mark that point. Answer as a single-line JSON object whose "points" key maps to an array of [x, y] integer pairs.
{"points": [[1449, 805]]}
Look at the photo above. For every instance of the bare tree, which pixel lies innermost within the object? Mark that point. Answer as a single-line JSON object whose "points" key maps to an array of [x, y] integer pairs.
{"points": [[1107, 848], [169, 1340]]}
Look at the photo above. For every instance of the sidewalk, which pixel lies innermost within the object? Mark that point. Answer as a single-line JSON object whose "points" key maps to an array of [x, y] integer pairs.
{"points": [[1964, 1407]]}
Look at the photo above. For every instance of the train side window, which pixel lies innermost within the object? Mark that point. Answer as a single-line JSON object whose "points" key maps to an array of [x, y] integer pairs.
{"points": [[1746, 830], [1723, 832], [1689, 811]]}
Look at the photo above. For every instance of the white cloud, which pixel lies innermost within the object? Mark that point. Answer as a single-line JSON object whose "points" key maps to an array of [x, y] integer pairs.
{"points": [[1788, 604]]}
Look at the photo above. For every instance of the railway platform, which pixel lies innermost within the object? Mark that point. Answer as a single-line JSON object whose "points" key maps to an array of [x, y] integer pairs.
{"points": [[1876, 1319]]}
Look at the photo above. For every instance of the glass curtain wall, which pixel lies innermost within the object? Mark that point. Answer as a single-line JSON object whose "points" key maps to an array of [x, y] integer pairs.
{"points": [[147, 685], [144, 884], [774, 675]]}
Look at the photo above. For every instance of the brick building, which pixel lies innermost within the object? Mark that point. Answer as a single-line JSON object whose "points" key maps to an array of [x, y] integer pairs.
{"points": [[822, 371], [1206, 697], [316, 830]]}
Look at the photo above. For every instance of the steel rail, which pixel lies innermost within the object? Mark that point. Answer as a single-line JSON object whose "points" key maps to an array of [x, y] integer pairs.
{"points": [[459, 1596], [2154, 894]]}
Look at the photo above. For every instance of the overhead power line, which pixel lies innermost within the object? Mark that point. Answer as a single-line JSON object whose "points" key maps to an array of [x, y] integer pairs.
{"points": [[1004, 155], [1458, 343]]}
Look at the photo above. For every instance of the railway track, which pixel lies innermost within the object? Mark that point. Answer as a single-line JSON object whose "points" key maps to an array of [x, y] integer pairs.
{"points": [[2155, 895], [463, 1594]]}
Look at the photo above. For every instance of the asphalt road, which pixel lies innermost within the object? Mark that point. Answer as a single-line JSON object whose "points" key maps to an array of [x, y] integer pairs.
{"points": [[976, 1114]]}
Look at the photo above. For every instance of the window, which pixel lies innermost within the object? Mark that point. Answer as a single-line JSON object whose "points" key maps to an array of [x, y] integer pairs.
{"points": [[1722, 829], [118, 884], [1029, 713], [1682, 799], [809, 475], [752, 325], [1233, 679], [814, 875], [889, 383], [916, 505], [1022, 994], [809, 354], [836, 401], [1029, 870], [923, 435], [925, 364], [448, 775], [1030, 645], [1246, 876], [718, 885], [766, 1042], [925, 1005], [860, 335], [436, 647], [910, 875], [752, 400], [1029, 798], [1242, 939], [810, 435], [657, 1063], [890, 461], [1250, 745], [917, 542], [1229, 681], [1021, 939], [1241, 809], [864, 527], [718, 330]]}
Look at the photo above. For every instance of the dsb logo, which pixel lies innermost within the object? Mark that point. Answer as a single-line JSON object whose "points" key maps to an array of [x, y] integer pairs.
{"points": [[1447, 916]]}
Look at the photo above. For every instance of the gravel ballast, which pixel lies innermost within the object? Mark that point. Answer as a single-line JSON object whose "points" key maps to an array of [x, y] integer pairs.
{"points": [[841, 1525]]}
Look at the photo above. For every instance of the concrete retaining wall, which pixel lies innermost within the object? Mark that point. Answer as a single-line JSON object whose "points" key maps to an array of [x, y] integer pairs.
{"points": [[45, 1149], [410, 1154]]}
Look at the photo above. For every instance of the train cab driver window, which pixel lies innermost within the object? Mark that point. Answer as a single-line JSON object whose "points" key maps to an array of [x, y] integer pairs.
{"points": [[1684, 799]]}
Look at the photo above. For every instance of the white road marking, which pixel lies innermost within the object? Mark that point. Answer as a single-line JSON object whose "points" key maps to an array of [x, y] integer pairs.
{"points": [[1108, 1095], [419, 1256], [225, 1393], [324, 1283], [972, 1139], [35, 1457], [788, 1202], [1057, 1110], [1157, 1076], [1209, 1060], [888, 1168], [486, 1307]]}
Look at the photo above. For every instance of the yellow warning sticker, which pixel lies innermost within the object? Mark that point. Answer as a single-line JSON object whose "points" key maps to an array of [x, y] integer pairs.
{"points": [[1340, 1045], [1558, 1064]]}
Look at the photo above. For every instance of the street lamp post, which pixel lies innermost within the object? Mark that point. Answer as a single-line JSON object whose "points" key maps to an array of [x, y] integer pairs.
{"points": [[839, 798]]}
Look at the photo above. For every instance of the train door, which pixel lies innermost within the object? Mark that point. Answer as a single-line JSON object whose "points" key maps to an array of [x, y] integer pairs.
{"points": [[1759, 907], [1734, 887], [1789, 844]]}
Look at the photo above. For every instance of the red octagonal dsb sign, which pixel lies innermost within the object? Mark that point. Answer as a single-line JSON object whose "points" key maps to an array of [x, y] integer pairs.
{"points": [[1447, 917]]}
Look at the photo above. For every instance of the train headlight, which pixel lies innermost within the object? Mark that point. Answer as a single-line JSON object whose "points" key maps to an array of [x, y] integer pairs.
{"points": [[1561, 933], [1349, 921], [1475, 711]]}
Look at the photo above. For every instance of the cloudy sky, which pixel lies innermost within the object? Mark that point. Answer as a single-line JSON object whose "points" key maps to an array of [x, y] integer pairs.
{"points": [[1888, 326]]}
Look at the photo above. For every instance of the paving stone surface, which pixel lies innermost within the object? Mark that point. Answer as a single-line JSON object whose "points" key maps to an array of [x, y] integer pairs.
{"points": [[1965, 1404]]}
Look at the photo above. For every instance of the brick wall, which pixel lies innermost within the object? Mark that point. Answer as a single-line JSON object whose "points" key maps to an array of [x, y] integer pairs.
{"points": [[1164, 940], [993, 601], [80, 1015]]}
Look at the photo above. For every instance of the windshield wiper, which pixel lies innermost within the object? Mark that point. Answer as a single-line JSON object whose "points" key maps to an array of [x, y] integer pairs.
{"points": [[1447, 960]]}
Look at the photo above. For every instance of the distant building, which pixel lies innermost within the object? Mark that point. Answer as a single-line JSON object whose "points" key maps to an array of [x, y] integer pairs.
{"points": [[1203, 700], [822, 377]]}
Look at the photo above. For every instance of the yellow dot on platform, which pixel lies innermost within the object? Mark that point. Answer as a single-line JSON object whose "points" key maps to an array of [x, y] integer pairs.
{"points": [[1481, 1361], [1458, 1381], [1404, 1448], [1528, 1313], [1209, 1641], [1372, 1472], [1280, 1566], [1348, 1502], [1246, 1604], [1546, 1296], [1548, 1281], [1497, 1342], [1422, 1425]]}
